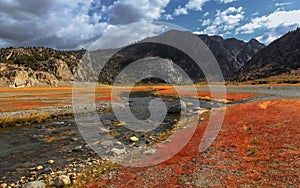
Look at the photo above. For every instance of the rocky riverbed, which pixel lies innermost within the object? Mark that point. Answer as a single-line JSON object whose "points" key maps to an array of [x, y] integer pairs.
{"points": [[48, 151]]}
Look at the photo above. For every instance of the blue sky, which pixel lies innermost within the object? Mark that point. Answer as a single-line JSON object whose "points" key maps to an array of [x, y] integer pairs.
{"points": [[73, 24]]}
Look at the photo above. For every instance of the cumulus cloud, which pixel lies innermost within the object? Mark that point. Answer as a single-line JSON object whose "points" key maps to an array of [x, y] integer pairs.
{"points": [[142, 10], [69, 24], [224, 21], [195, 5], [191, 5], [271, 21], [276, 23]]}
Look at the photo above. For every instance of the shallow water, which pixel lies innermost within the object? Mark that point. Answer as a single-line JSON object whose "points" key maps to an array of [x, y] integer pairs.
{"points": [[27, 147]]}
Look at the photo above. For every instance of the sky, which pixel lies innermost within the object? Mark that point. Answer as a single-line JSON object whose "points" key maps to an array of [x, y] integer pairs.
{"points": [[76, 24]]}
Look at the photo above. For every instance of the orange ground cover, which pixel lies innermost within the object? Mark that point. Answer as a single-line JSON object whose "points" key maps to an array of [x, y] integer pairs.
{"points": [[258, 146], [206, 95]]}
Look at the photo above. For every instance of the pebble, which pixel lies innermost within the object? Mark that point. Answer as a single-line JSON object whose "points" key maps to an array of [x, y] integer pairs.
{"points": [[3, 185], [39, 168], [134, 139], [189, 104], [149, 152], [120, 124], [35, 184], [61, 181], [77, 149], [117, 151], [51, 161]]}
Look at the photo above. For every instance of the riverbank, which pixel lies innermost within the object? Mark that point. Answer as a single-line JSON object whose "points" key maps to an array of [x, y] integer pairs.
{"points": [[262, 121]]}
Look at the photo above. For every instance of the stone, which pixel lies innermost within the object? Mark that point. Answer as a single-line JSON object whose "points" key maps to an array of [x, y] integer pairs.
{"points": [[3, 185], [61, 181], [51, 161], [77, 149], [35, 184], [177, 108], [117, 151], [149, 152], [120, 124], [189, 104], [107, 143], [39, 168], [74, 139], [134, 139]]}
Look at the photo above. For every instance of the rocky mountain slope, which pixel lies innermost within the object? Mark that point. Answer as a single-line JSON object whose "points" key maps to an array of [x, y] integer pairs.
{"points": [[281, 57], [231, 54], [21, 67]]}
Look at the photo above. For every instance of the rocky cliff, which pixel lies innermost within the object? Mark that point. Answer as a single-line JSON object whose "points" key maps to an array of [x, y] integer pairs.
{"points": [[281, 57], [21, 67]]}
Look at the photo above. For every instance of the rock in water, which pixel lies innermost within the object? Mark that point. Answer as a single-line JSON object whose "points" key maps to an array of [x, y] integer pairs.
{"points": [[35, 184], [176, 109], [117, 151], [189, 104], [61, 181], [149, 152], [39, 168], [3, 185], [51, 161], [134, 139]]}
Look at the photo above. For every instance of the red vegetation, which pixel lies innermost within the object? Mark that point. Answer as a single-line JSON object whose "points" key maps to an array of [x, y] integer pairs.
{"points": [[258, 145], [205, 95]]}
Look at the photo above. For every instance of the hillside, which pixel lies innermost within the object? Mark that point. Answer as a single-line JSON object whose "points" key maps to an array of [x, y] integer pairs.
{"points": [[280, 59], [231, 54], [22, 67]]}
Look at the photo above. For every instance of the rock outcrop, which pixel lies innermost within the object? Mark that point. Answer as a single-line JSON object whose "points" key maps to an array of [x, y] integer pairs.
{"points": [[23, 67]]}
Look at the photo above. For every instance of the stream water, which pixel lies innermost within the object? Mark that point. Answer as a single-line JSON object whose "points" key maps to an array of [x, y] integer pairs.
{"points": [[22, 148]]}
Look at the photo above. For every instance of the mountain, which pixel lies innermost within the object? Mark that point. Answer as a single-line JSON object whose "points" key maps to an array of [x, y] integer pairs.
{"points": [[231, 54], [39, 66], [281, 57]]}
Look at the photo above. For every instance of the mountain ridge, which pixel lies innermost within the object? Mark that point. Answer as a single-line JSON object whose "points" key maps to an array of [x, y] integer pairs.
{"points": [[280, 57], [239, 61]]}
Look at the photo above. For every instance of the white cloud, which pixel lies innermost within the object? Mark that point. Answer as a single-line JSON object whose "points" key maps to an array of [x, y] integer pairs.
{"points": [[224, 22], [206, 22], [275, 24], [195, 5], [168, 17], [275, 19], [227, 1], [191, 5], [283, 4], [149, 9], [68, 24], [206, 14], [180, 11]]}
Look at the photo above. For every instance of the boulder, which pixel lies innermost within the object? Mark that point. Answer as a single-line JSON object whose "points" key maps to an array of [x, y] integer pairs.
{"points": [[35, 184]]}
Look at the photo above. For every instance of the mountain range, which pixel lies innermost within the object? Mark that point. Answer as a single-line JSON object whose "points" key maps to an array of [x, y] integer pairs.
{"points": [[238, 60]]}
